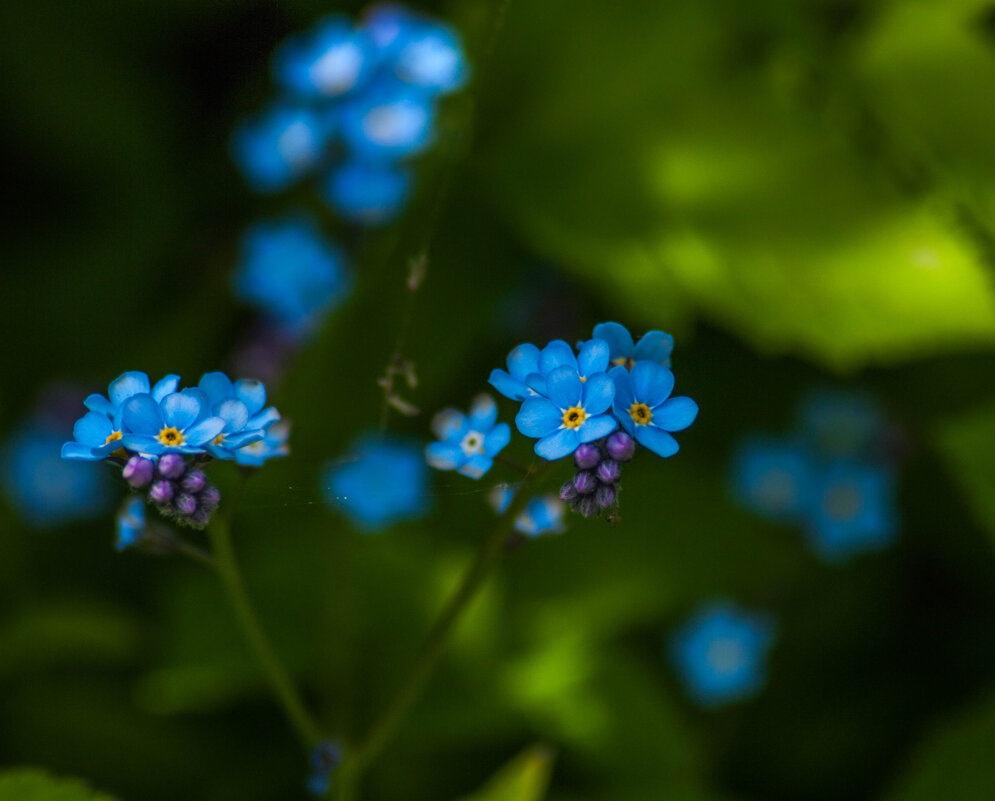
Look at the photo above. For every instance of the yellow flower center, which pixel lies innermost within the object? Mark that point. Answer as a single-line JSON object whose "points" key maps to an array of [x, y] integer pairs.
{"points": [[640, 414], [624, 361], [170, 436], [574, 417], [114, 436], [218, 440]]}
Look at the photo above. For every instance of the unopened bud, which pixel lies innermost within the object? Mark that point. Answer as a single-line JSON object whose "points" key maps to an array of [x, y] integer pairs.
{"points": [[194, 481], [605, 496], [138, 471], [172, 465], [585, 482], [587, 456], [210, 498], [186, 504], [609, 471], [161, 492], [620, 446]]}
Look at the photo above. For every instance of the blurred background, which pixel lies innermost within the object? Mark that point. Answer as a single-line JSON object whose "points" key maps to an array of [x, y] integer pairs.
{"points": [[800, 192]]}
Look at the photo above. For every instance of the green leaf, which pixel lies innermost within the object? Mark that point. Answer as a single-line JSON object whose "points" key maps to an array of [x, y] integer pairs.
{"points": [[525, 778], [31, 784], [968, 443]]}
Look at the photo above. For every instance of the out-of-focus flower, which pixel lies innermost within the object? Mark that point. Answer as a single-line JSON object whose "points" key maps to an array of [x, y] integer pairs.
{"points": [[367, 193], [543, 514], [130, 523], [656, 346], [430, 56], [272, 445], [387, 124], [841, 424], [645, 409], [325, 757], [773, 478], [280, 146], [468, 443], [328, 61]]}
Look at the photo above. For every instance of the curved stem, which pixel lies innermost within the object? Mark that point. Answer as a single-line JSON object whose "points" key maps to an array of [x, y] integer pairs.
{"points": [[276, 673]]}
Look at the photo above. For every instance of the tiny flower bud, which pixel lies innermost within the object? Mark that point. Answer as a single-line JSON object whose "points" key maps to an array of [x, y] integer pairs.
{"points": [[172, 465], [587, 456], [209, 498], [605, 496], [194, 481], [587, 506], [185, 504], [585, 482], [138, 471], [620, 446], [161, 492], [609, 471], [568, 492], [200, 518]]}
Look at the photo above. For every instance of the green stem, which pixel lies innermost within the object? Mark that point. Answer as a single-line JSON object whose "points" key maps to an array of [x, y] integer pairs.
{"points": [[197, 554], [350, 771], [279, 679]]}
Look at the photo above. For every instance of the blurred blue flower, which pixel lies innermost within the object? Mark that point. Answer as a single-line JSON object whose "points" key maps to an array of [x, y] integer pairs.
{"points": [[523, 362], [368, 194], [430, 56], [173, 425], [130, 523], [328, 61], [656, 346], [387, 25], [720, 654], [852, 510], [386, 123], [841, 424], [291, 272], [280, 146], [772, 478], [384, 482], [543, 514], [240, 405], [325, 757], [645, 409], [468, 443], [45, 489], [272, 445]]}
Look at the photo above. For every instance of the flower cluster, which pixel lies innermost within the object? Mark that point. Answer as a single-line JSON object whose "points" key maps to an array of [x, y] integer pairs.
{"points": [[594, 488], [357, 102], [832, 475], [157, 433]]}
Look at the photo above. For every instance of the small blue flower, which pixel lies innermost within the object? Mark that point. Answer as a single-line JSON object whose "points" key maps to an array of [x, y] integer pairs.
{"points": [[130, 523], [430, 56], [852, 510], [645, 409], [468, 443], [387, 123], [571, 411], [280, 146], [388, 25], [656, 346], [773, 478], [840, 424], [240, 405], [173, 425], [368, 194], [325, 757], [591, 358], [523, 362], [290, 271], [272, 445], [383, 483], [720, 653], [328, 61], [543, 514]]}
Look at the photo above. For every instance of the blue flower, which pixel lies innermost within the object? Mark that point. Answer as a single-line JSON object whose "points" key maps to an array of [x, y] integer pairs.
{"points": [[272, 445], [173, 425], [468, 443], [387, 25], [720, 653], [840, 424], [329, 61], [569, 412], [430, 56], [773, 478], [591, 358], [645, 409], [130, 523], [45, 489], [280, 146], [523, 361], [369, 194], [240, 405], [289, 270], [98, 433], [543, 514], [852, 510], [383, 483], [656, 346], [387, 123]]}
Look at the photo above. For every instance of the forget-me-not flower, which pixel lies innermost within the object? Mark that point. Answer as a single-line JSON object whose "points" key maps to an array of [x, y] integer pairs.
{"points": [[645, 409], [387, 123], [240, 405], [656, 346], [841, 424], [130, 523], [272, 445], [720, 653], [773, 478], [367, 193], [468, 442], [173, 425], [543, 514], [523, 361], [430, 56], [328, 61], [280, 146]]}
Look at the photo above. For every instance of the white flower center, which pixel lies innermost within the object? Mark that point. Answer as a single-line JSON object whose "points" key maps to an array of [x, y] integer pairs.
{"points": [[296, 145], [843, 502], [725, 655], [776, 489], [472, 443], [336, 71]]}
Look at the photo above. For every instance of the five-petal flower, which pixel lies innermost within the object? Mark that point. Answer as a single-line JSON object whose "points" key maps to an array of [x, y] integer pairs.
{"points": [[173, 425], [656, 346], [468, 443], [645, 409]]}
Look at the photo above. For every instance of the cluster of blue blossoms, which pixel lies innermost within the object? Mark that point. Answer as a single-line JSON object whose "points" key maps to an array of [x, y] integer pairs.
{"points": [[596, 403], [357, 102], [161, 435], [833, 475]]}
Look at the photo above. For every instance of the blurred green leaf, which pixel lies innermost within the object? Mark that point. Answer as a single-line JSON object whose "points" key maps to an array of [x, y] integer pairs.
{"points": [[31, 784], [968, 443], [525, 778]]}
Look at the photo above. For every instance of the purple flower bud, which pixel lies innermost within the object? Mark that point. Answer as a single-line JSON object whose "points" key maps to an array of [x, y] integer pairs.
{"points": [[194, 481], [609, 471], [585, 482], [620, 446], [186, 504], [568, 492], [587, 456], [587, 506], [161, 492], [209, 498], [199, 518], [605, 496], [138, 471], [172, 465]]}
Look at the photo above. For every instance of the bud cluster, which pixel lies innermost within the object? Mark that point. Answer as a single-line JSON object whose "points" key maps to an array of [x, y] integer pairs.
{"points": [[177, 489], [594, 488]]}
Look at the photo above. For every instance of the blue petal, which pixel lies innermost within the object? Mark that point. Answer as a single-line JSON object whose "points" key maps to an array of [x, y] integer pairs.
{"points": [[623, 387], [597, 427], [523, 360], [593, 357], [234, 413], [98, 403], [599, 392], [556, 354], [142, 415], [557, 445], [204, 431], [618, 338], [538, 417], [625, 419], [657, 440], [675, 414], [563, 387], [92, 429], [476, 466], [444, 455], [537, 383], [656, 346], [651, 383], [508, 385], [263, 418], [448, 424], [242, 438], [126, 385], [165, 386], [252, 393], [143, 443], [180, 409], [76, 450], [497, 439], [217, 386], [483, 413]]}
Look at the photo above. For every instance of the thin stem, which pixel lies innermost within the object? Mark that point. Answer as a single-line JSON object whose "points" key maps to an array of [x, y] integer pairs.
{"points": [[197, 554], [279, 678], [486, 559], [517, 466]]}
